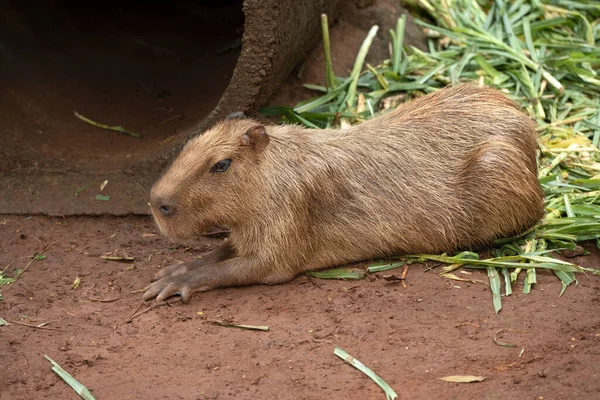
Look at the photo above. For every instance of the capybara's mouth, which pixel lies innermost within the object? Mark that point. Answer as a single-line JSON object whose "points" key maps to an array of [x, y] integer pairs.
{"points": [[161, 226], [173, 229]]}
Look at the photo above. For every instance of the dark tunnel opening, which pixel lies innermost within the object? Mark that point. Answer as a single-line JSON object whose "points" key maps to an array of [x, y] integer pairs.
{"points": [[154, 67]]}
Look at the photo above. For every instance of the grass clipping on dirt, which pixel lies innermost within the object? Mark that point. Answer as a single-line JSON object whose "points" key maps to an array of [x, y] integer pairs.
{"points": [[545, 55], [81, 390]]}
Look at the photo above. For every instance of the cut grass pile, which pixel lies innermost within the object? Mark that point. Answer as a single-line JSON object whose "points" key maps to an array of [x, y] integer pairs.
{"points": [[545, 55]]}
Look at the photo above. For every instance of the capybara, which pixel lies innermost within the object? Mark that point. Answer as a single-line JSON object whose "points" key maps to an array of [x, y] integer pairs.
{"points": [[451, 170]]}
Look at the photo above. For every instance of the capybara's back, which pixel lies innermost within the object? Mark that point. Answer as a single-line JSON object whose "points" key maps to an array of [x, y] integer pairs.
{"points": [[453, 170]]}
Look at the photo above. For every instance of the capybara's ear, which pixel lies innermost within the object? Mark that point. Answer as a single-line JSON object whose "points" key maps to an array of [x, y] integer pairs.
{"points": [[256, 138]]}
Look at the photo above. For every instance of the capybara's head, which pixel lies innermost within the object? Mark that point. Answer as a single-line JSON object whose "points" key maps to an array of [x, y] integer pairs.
{"points": [[212, 180]]}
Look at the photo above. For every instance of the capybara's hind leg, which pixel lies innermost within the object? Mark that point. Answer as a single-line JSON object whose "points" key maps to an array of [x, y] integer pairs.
{"points": [[502, 193]]}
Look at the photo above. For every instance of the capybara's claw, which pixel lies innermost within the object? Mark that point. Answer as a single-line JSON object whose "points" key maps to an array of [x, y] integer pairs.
{"points": [[165, 288], [177, 280]]}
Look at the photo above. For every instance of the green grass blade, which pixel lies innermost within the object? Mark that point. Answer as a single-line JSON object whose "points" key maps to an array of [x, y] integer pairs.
{"points": [[316, 102], [389, 392], [507, 282], [358, 63], [329, 76], [398, 43], [495, 287], [81, 189], [566, 278], [596, 138], [531, 277], [119, 129], [529, 40], [379, 76], [339, 273], [77, 387], [509, 262], [406, 86], [384, 266], [568, 208], [317, 88]]}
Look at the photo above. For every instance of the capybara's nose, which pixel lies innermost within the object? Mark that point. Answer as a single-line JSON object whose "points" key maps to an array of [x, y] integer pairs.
{"points": [[162, 205]]}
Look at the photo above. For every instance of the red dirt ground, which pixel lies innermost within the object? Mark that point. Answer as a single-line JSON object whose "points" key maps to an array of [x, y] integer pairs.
{"points": [[409, 336]]}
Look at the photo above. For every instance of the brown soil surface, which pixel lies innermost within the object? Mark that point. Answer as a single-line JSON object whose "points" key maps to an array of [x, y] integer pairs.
{"points": [[409, 336]]}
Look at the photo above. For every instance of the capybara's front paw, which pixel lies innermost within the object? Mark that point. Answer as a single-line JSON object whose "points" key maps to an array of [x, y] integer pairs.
{"points": [[175, 280], [173, 270]]}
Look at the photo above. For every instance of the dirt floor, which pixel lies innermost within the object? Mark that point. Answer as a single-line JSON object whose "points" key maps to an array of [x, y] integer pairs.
{"points": [[409, 336]]}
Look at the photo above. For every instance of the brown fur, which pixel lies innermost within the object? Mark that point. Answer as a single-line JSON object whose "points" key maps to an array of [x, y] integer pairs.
{"points": [[451, 170]]}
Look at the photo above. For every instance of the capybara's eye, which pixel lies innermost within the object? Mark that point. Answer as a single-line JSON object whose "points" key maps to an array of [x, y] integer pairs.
{"points": [[221, 166]]}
